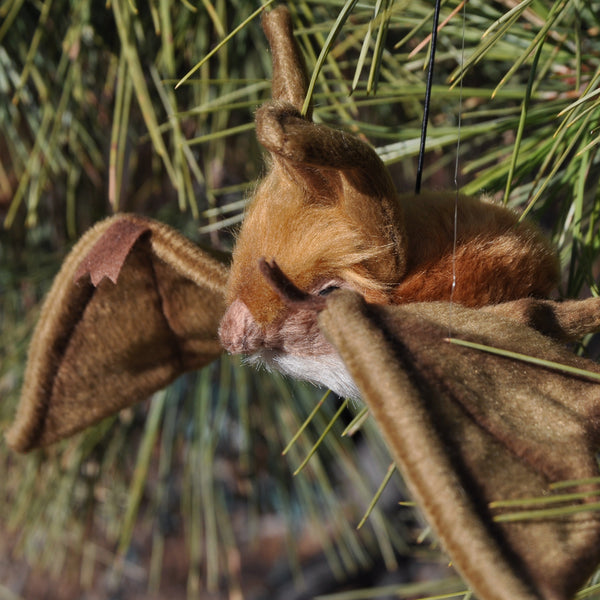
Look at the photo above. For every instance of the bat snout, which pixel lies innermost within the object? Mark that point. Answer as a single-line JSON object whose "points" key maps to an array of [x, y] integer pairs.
{"points": [[239, 332]]}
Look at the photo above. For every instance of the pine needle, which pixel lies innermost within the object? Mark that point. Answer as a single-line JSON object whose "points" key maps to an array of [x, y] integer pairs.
{"points": [[548, 364], [224, 41], [322, 437], [306, 423], [386, 479]]}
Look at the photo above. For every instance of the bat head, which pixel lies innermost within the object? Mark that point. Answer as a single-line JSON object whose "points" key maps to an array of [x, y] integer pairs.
{"points": [[295, 345], [326, 212]]}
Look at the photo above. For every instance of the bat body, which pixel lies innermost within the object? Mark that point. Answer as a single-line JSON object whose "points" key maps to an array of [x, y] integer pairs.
{"points": [[328, 213], [326, 245]]}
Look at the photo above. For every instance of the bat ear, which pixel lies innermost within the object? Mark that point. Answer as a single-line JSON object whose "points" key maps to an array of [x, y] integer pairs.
{"points": [[134, 306], [327, 162], [318, 154]]}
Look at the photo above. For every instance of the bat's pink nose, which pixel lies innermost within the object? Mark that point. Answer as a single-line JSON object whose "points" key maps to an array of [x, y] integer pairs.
{"points": [[239, 333]]}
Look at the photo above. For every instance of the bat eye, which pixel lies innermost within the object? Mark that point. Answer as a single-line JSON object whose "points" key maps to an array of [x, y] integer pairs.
{"points": [[330, 288]]}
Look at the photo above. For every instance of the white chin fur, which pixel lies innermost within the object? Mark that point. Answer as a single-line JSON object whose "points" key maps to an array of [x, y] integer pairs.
{"points": [[326, 370]]}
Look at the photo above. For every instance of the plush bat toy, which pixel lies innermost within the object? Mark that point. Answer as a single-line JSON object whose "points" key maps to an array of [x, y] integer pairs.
{"points": [[135, 305]]}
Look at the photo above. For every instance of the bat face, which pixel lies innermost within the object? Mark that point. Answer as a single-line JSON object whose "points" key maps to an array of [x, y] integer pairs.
{"points": [[322, 250], [295, 346]]}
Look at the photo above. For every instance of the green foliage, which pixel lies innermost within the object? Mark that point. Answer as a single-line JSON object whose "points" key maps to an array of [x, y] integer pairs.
{"points": [[93, 121]]}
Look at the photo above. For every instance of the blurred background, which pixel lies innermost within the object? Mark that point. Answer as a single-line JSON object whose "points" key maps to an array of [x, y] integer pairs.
{"points": [[188, 495]]}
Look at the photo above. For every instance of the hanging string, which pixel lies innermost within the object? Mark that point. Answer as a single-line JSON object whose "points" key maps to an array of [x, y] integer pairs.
{"points": [[436, 15], [436, 18], [456, 169]]}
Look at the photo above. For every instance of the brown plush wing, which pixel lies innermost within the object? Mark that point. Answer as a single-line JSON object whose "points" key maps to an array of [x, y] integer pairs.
{"points": [[566, 321], [468, 428], [134, 306]]}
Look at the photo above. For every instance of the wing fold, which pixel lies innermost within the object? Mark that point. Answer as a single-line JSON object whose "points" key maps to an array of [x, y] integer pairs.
{"points": [[134, 306]]}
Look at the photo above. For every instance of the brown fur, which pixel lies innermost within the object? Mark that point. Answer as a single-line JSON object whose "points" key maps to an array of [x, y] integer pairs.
{"points": [[495, 259]]}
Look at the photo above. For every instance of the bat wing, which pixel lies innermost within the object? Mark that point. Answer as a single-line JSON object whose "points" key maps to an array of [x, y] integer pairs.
{"points": [[468, 428], [134, 306]]}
